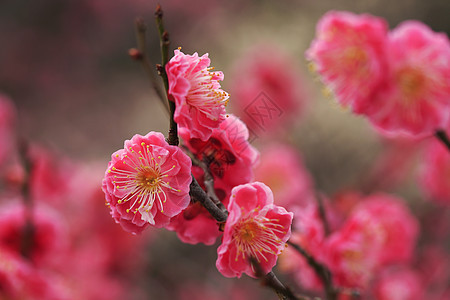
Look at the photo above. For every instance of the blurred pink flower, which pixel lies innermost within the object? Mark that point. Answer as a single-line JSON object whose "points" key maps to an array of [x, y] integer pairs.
{"points": [[267, 88], [147, 182], [48, 236], [416, 97], [200, 103], [349, 54], [435, 173], [49, 176], [379, 231], [256, 228], [387, 219], [401, 284], [351, 257], [7, 124], [282, 169], [20, 280]]}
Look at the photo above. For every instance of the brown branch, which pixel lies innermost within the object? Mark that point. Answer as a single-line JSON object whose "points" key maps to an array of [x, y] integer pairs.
{"points": [[321, 270], [208, 179], [172, 139], [323, 214], [198, 194], [442, 136], [28, 229], [270, 279], [140, 54]]}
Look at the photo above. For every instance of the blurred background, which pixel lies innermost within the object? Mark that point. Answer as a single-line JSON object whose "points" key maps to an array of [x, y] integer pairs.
{"points": [[77, 92]]}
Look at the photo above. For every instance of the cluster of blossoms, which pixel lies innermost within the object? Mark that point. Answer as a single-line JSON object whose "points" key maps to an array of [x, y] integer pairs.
{"points": [[56, 242], [361, 240], [148, 181], [379, 233], [399, 80]]}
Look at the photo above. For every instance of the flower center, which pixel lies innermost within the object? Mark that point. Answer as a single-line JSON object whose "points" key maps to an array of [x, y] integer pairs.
{"points": [[255, 236], [354, 59], [148, 178], [411, 82], [248, 231], [205, 93], [140, 174]]}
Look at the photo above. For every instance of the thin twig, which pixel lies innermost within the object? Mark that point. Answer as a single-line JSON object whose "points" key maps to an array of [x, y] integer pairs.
{"points": [[321, 270], [323, 214], [442, 136], [28, 229], [141, 55], [172, 139], [208, 179]]}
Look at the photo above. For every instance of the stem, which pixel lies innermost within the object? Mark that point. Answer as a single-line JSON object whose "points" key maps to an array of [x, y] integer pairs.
{"points": [[172, 139], [199, 194], [208, 179], [271, 280], [322, 214], [141, 55], [442, 136], [321, 270], [28, 229]]}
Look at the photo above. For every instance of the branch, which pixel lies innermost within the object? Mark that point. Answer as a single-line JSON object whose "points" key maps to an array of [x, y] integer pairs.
{"points": [[199, 195], [172, 139], [208, 179], [321, 270], [322, 214], [442, 136], [28, 229], [271, 280], [140, 54]]}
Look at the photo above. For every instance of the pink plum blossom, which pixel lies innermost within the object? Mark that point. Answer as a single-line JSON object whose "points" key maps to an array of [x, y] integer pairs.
{"points": [[147, 182], [435, 173], [351, 257], [349, 55], [268, 89], [256, 228], [282, 169], [230, 158], [401, 284], [416, 97], [386, 218], [228, 152], [379, 231], [200, 103]]}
